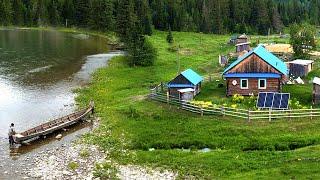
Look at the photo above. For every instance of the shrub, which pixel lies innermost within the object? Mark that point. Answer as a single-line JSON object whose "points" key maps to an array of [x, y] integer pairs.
{"points": [[105, 171], [84, 153], [237, 98], [73, 165]]}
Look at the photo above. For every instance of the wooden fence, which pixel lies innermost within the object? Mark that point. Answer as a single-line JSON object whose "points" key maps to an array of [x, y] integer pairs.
{"points": [[233, 112]]}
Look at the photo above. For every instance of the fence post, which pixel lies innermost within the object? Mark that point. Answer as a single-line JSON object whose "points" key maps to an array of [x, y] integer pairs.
{"points": [[223, 111], [269, 114], [290, 114], [168, 98], [201, 111], [311, 114], [249, 115]]}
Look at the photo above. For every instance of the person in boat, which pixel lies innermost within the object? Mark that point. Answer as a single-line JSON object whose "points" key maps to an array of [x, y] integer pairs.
{"points": [[11, 133]]}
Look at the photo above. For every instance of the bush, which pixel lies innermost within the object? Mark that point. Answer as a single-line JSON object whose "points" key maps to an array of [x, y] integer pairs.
{"points": [[73, 165], [105, 171], [237, 98]]}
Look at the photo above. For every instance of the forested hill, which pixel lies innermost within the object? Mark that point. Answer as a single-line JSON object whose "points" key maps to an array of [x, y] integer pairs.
{"points": [[208, 16]]}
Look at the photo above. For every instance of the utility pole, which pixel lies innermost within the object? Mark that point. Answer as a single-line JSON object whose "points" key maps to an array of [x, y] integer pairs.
{"points": [[179, 64], [268, 36]]}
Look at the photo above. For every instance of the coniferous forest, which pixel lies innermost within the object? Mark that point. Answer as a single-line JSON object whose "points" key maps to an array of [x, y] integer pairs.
{"points": [[207, 16]]}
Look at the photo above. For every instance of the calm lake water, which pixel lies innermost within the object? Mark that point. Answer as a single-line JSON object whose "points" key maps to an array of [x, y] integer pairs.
{"points": [[38, 71]]}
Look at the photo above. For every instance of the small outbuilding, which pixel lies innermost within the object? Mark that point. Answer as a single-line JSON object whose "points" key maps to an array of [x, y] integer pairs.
{"points": [[254, 72], [223, 60], [242, 39], [300, 67], [186, 85], [233, 39], [316, 91], [243, 47]]}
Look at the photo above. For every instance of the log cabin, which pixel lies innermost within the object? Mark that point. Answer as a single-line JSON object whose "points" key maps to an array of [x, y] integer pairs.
{"points": [[254, 72], [316, 91], [186, 85]]}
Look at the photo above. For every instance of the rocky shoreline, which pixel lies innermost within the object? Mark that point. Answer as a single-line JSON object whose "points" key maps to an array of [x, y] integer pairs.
{"points": [[78, 161]]}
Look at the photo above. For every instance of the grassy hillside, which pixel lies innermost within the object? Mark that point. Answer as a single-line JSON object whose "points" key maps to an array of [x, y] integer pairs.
{"points": [[132, 125]]}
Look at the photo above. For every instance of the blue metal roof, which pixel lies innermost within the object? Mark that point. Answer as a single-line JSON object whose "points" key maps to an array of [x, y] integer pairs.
{"points": [[180, 85], [268, 57], [192, 76], [252, 75]]}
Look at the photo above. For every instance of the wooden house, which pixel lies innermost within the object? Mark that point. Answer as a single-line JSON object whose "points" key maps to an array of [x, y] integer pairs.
{"points": [[242, 39], [300, 68], [316, 91], [186, 83], [254, 72], [243, 47]]}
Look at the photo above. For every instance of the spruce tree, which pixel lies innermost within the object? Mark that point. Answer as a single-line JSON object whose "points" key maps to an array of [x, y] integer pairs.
{"points": [[5, 12], [126, 19], [140, 50], [53, 13], [170, 36], [68, 12], [143, 14], [82, 12], [18, 12], [101, 17]]}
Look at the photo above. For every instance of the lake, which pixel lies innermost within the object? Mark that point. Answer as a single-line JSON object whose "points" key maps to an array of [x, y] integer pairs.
{"points": [[38, 71]]}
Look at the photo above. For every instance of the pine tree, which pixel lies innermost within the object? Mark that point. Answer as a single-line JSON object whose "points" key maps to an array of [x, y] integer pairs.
{"points": [[276, 20], [140, 50], [126, 19], [18, 12], [68, 12], [82, 12], [143, 14], [170, 36], [41, 15], [53, 13], [5, 12], [101, 17]]}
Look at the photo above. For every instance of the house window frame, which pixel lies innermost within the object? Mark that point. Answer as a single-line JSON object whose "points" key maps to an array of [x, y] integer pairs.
{"points": [[265, 83], [241, 85]]}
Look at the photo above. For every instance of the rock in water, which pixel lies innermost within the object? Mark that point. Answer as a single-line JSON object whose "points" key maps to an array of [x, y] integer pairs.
{"points": [[59, 136]]}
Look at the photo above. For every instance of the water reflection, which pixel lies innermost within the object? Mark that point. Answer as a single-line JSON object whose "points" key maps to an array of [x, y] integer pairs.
{"points": [[38, 70]]}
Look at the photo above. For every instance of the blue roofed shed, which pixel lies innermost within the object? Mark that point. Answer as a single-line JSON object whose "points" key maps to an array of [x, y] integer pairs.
{"points": [[254, 72], [186, 80]]}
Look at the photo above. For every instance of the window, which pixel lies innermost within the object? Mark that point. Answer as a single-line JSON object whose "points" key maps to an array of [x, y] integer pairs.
{"points": [[244, 84], [262, 84]]}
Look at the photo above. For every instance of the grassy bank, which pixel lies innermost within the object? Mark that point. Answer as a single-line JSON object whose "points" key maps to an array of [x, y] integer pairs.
{"points": [[131, 125]]}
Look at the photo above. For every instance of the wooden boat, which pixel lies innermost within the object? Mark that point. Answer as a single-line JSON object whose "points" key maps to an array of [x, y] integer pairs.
{"points": [[54, 125]]}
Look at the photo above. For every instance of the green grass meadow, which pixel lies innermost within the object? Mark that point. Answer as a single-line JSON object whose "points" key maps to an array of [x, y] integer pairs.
{"points": [[131, 124]]}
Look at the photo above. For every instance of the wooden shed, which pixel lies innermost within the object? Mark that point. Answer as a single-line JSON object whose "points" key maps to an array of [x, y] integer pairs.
{"points": [[185, 83], [243, 47], [316, 91], [300, 67], [256, 71], [242, 39]]}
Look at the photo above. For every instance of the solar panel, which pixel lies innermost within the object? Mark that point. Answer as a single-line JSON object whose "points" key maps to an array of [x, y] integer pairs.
{"points": [[261, 100], [276, 101], [269, 100], [273, 100], [285, 101]]}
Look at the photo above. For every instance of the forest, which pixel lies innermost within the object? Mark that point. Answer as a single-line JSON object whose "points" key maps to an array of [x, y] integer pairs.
{"points": [[207, 16]]}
